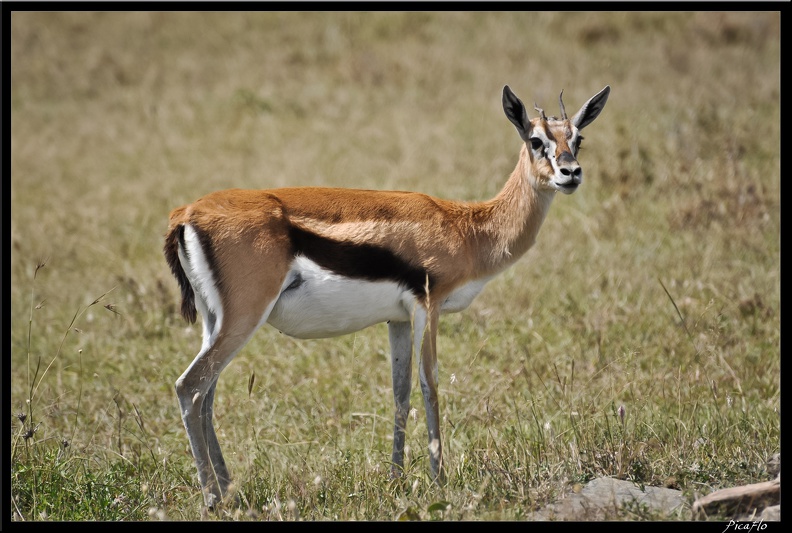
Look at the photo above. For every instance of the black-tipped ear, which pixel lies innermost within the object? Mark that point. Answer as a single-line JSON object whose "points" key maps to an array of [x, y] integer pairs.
{"points": [[591, 109], [515, 111]]}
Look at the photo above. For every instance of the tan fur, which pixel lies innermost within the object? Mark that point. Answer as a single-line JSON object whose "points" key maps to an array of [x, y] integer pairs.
{"points": [[455, 241]]}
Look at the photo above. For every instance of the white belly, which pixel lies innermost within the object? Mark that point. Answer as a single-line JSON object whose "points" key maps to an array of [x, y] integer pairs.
{"points": [[317, 303]]}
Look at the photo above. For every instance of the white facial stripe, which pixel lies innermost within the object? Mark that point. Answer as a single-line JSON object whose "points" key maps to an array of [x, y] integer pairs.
{"points": [[540, 133], [549, 149]]}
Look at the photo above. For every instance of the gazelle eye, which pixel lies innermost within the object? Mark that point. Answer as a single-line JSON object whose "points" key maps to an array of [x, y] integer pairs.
{"points": [[536, 143], [577, 143]]}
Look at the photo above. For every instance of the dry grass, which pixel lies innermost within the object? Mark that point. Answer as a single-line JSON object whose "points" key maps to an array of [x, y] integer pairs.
{"points": [[656, 286]]}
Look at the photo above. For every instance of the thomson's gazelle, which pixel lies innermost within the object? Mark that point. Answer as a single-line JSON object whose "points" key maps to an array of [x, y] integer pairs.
{"points": [[319, 262]]}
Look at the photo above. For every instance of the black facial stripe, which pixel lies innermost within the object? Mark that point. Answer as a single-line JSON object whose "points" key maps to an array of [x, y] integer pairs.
{"points": [[359, 261]]}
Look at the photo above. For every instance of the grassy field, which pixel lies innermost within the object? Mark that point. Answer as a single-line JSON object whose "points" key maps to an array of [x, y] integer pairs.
{"points": [[655, 287]]}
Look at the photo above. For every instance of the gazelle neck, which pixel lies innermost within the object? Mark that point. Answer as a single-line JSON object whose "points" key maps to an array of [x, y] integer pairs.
{"points": [[514, 217]]}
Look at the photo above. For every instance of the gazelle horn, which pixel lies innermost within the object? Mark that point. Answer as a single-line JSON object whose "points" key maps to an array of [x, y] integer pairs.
{"points": [[561, 103]]}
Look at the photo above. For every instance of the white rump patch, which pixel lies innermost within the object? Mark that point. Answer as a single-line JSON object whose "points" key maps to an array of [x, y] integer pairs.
{"points": [[207, 299]]}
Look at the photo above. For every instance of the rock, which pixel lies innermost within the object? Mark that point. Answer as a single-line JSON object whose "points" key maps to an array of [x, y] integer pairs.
{"points": [[771, 514], [774, 465], [747, 500], [605, 498], [608, 499]]}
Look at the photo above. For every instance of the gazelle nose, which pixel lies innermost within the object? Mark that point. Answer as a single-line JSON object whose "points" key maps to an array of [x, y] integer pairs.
{"points": [[573, 171], [569, 166]]}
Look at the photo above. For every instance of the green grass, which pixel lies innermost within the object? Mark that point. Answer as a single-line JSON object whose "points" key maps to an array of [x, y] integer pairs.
{"points": [[655, 287]]}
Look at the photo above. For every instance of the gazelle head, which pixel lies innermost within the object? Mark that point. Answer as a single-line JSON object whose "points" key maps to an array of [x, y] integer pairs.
{"points": [[553, 142]]}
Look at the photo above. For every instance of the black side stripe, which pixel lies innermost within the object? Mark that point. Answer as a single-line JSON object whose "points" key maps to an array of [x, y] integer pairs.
{"points": [[359, 261]]}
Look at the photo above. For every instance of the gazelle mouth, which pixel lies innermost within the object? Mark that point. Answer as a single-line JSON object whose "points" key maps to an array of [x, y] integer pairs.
{"points": [[568, 188]]}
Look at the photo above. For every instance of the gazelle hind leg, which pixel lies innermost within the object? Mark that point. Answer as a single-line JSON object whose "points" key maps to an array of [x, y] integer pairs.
{"points": [[191, 401], [400, 335], [195, 390], [230, 318], [210, 329], [215, 453]]}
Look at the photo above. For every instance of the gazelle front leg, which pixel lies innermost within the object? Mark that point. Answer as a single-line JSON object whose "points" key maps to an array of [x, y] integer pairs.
{"points": [[400, 336], [425, 329]]}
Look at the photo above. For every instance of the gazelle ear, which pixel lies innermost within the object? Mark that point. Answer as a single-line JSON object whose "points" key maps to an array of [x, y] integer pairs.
{"points": [[591, 109], [515, 111]]}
